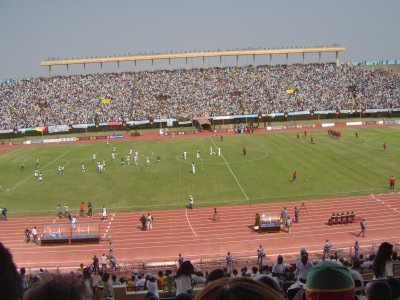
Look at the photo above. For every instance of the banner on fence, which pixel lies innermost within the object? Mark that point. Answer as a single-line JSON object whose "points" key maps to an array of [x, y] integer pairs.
{"points": [[328, 124], [354, 123], [58, 128]]}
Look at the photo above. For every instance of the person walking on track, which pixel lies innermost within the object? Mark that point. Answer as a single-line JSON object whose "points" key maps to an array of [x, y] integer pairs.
{"points": [[215, 215], [362, 225]]}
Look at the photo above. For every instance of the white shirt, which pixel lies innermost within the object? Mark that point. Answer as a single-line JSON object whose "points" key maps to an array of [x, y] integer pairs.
{"points": [[387, 271], [183, 284], [302, 270], [104, 211], [152, 288], [278, 269], [140, 283], [33, 231]]}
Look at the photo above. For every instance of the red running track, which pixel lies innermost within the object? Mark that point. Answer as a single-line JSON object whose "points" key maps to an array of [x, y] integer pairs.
{"points": [[195, 235]]}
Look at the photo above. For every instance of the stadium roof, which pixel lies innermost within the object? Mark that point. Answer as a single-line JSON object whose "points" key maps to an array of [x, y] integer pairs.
{"points": [[201, 54]]}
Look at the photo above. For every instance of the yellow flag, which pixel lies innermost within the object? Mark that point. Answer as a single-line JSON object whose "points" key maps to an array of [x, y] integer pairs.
{"points": [[106, 101], [290, 91]]}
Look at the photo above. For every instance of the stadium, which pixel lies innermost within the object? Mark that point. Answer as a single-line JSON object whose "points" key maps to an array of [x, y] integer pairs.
{"points": [[320, 137]]}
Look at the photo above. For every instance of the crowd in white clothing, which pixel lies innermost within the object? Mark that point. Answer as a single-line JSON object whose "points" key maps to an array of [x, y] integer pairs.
{"points": [[183, 94]]}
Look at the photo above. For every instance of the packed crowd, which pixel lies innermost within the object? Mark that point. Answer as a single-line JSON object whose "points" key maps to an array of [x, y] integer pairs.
{"points": [[331, 278], [183, 94]]}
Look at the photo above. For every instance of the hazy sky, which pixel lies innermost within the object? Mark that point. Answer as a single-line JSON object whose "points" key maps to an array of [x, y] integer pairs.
{"points": [[32, 31]]}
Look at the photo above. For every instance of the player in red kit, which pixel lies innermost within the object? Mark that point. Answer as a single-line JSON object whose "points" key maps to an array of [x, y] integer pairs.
{"points": [[244, 150], [392, 180]]}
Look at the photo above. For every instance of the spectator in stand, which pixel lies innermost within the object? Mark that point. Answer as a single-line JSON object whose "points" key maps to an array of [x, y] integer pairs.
{"points": [[383, 264], [114, 280], [215, 275], [367, 264], [278, 268], [254, 272], [131, 284], [183, 278], [151, 284], [161, 280], [24, 279], [235, 273], [302, 268], [213, 91], [238, 288], [108, 292], [88, 282], [140, 282], [58, 286]]}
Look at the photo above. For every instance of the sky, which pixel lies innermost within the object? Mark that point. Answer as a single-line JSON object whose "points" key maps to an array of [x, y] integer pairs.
{"points": [[33, 31]]}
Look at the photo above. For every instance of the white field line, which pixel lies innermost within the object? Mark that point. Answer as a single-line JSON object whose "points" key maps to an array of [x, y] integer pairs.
{"points": [[27, 178], [190, 225], [237, 181]]}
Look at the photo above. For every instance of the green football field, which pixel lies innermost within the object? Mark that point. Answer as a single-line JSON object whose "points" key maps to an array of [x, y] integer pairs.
{"points": [[328, 168]]}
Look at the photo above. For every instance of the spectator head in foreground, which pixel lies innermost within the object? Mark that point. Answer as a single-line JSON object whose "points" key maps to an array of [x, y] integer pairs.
{"points": [[378, 290], [10, 281], [329, 281], [358, 281], [237, 288], [394, 284], [269, 280], [58, 286], [215, 275]]}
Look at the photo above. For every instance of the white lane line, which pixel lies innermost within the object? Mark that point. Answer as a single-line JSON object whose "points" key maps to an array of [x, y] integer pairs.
{"points": [[381, 201], [190, 225], [237, 181], [26, 179]]}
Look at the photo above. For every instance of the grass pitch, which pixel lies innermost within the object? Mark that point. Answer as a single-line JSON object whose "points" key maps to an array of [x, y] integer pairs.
{"points": [[328, 168]]}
